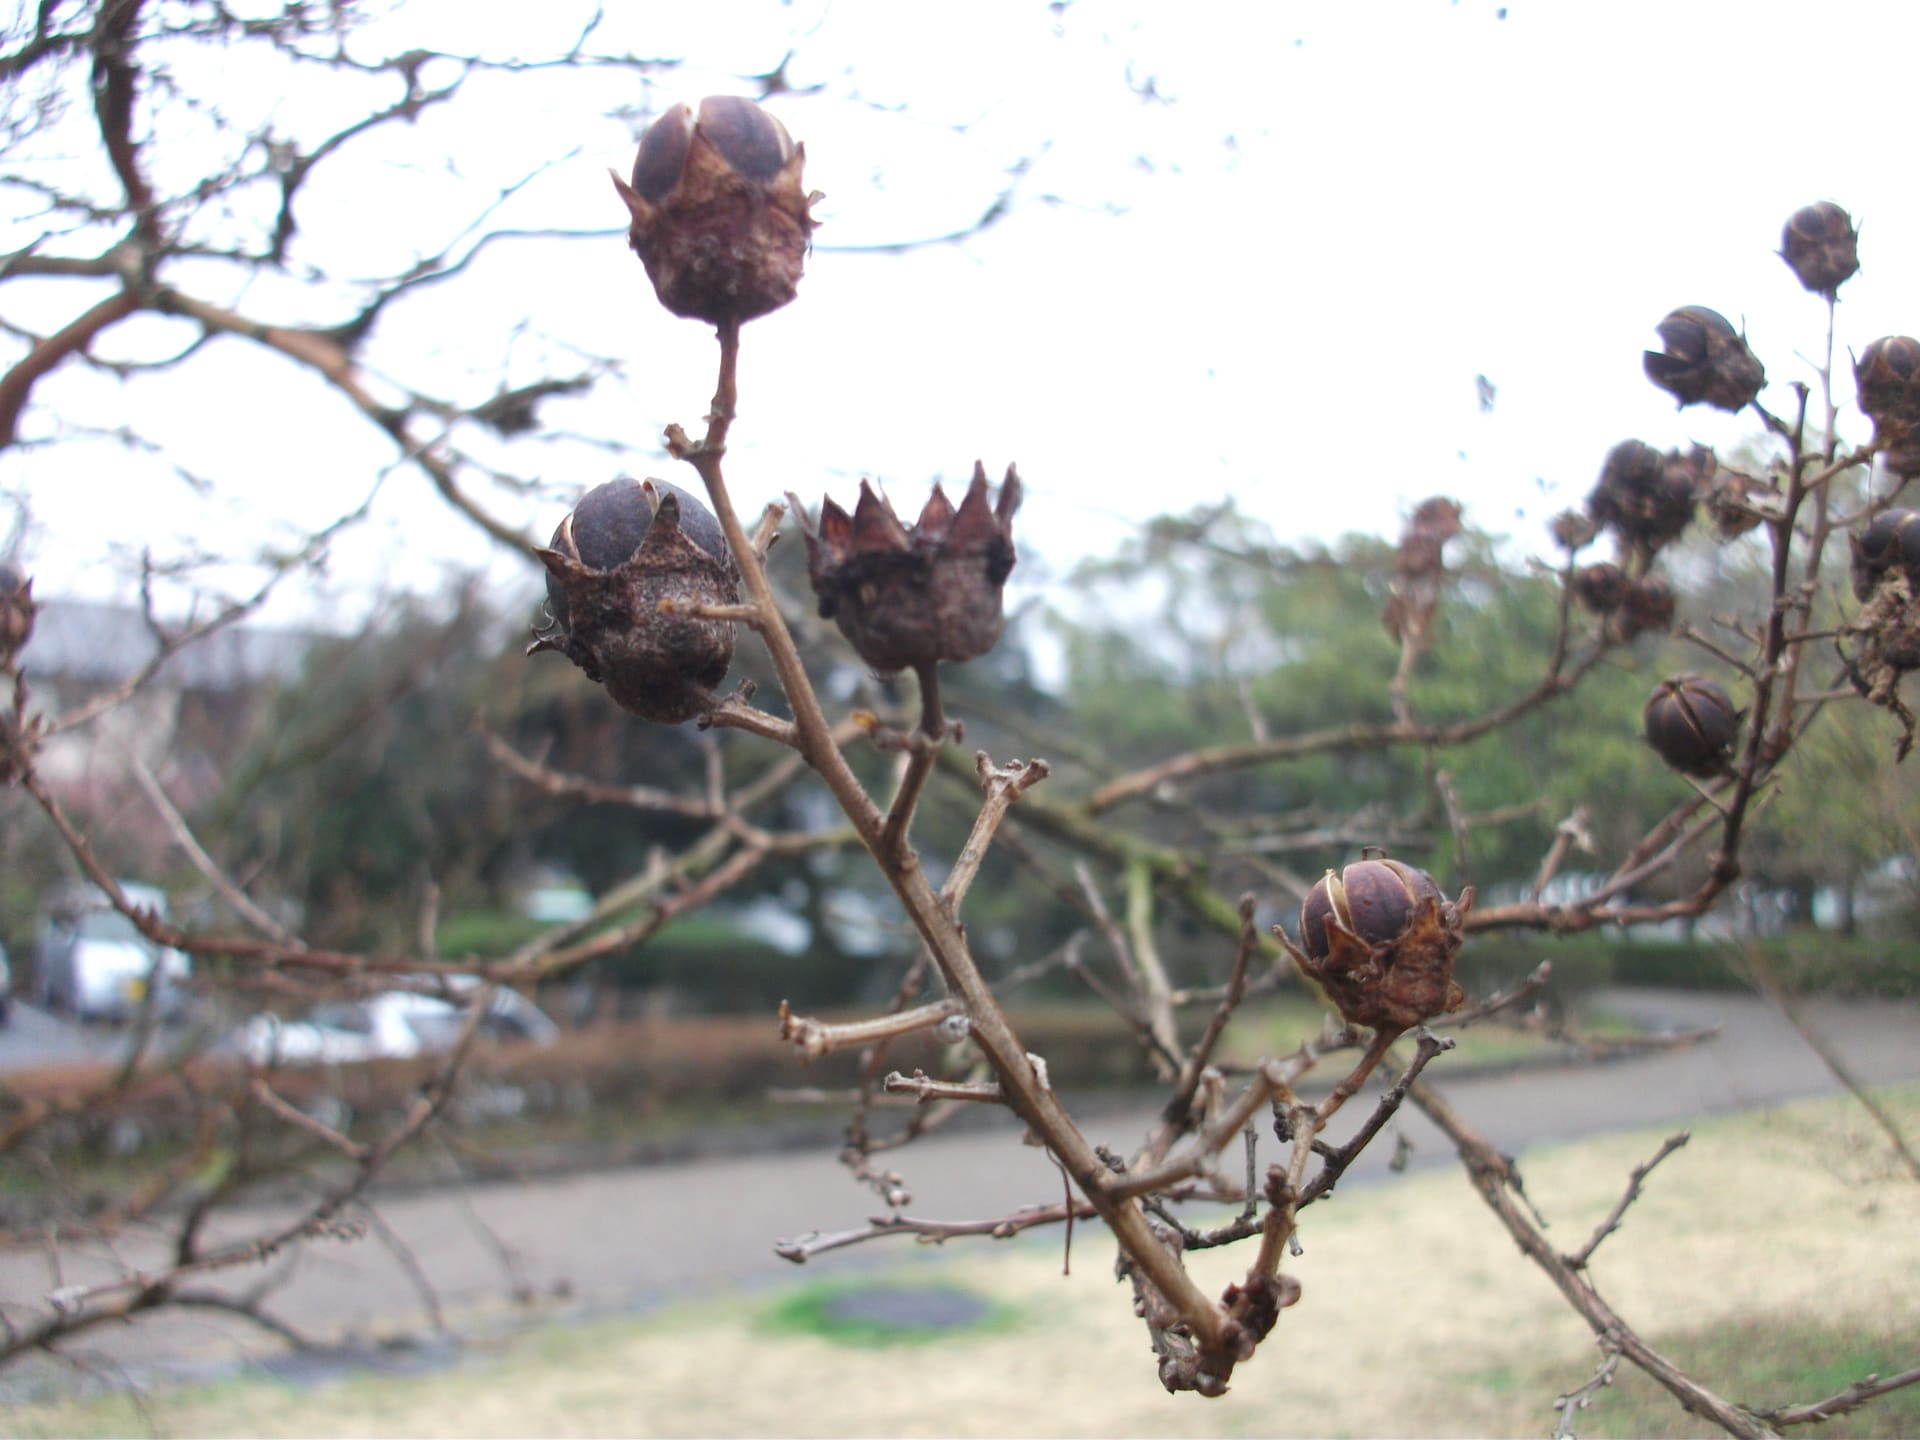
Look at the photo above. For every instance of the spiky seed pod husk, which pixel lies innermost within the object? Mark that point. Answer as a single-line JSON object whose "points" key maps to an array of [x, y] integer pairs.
{"points": [[1648, 605], [1822, 246], [1601, 588], [909, 597], [1690, 722], [717, 212], [16, 613], [625, 548], [1645, 497], [1891, 541], [1380, 939], [1706, 361]]}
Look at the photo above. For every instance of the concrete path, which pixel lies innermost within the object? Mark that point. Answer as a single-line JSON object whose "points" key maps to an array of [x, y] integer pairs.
{"points": [[616, 1240]]}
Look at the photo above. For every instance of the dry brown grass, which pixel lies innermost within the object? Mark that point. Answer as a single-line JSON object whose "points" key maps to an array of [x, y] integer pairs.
{"points": [[1419, 1318]]}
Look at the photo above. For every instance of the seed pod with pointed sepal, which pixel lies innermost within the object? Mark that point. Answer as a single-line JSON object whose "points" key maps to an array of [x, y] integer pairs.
{"points": [[1380, 939], [1891, 541], [16, 613], [718, 214], [1822, 246], [1706, 360], [628, 546], [1690, 722], [907, 597]]}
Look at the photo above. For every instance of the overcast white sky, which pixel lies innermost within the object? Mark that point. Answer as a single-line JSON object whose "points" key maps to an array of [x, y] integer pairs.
{"points": [[1274, 277]]}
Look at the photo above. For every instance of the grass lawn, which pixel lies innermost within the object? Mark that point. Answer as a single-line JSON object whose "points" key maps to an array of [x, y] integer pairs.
{"points": [[1778, 1254]]}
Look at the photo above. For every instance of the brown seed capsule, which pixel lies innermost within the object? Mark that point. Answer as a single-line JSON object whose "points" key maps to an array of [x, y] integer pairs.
{"points": [[16, 613], [718, 214], [1891, 540], [1647, 498], [624, 550], [1887, 379], [909, 597], [1738, 503], [1648, 605], [1380, 939], [1706, 361], [1883, 646], [1690, 723], [1602, 588], [1822, 246], [1574, 530]]}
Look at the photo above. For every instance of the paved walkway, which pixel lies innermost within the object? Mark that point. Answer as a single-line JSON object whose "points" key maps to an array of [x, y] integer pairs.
{"points": [[614, 1240]]}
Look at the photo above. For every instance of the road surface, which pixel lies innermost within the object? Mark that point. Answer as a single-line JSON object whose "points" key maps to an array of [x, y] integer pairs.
{"points": [[616, 1240]]}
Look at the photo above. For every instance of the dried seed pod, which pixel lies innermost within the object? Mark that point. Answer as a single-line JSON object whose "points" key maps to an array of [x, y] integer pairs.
{"points": [[16, 613], [1883, 645], [1891, 540], [1822, 246], [1601, 588], [1648, 605], [717, 210], [1690, 723], [1573, 530], [1706, 360], [910, 597], [1380, 939], [1886, 378], [1644, 497], [626, 548], [1738, 503]]}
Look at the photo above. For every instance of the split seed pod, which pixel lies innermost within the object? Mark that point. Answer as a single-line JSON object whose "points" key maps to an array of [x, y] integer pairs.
{"points": [[1690, 722], [1706, 360], [718, 214], [1380, 939], [626, 548], [1822, 246], [907, 597]]}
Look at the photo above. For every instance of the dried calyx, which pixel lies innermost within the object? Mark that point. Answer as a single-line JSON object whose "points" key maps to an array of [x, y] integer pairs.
{"points": [[1690, 722], [1706, 361], [1822, 246], [1380, 939], [717, 212], [628, 548], [908, 597]]}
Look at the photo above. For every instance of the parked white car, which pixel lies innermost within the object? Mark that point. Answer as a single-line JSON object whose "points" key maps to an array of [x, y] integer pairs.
{"points": [[94, 963], [394, 1025]]}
